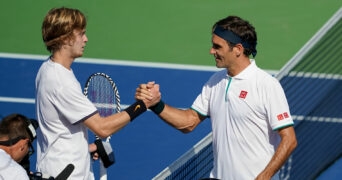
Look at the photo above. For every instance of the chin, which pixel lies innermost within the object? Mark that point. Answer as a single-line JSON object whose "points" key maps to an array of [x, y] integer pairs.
{"points": [[218, 65]]}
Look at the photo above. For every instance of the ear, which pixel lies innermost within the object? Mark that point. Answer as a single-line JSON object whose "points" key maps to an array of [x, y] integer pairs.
{"points": [[238, 49], [22, 144]]}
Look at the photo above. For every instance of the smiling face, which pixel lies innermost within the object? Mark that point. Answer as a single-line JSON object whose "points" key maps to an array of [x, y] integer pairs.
{"points": [[224, 55], [228, 56]]}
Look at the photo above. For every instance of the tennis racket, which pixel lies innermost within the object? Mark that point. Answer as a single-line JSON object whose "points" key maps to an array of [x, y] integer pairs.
{"points": [[101, 90]]}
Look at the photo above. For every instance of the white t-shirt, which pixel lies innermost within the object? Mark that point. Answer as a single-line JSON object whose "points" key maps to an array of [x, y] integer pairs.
{"points": [[245, 112], [62, 137], [9, 169]]}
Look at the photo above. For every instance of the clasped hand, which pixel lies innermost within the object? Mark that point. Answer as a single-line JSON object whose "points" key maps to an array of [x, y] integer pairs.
{"points": [[149, 93]]}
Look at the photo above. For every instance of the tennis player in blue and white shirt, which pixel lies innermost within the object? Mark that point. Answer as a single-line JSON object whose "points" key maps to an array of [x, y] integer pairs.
{"points": [[252, 128]]}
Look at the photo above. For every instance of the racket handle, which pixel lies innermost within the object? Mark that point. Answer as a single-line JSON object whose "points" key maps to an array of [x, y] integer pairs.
{"points": [[105, 152]]}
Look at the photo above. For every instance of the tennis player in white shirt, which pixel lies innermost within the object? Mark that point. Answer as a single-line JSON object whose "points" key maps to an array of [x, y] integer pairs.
{"points": [[252, 127]]}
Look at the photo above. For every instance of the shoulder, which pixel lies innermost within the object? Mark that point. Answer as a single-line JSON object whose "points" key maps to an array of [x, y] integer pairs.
{"points": [[265, 77], [9, 169], [218, 76]]}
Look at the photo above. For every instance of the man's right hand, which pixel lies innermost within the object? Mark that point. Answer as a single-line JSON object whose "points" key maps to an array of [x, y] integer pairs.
{"points": [[149, 93]]}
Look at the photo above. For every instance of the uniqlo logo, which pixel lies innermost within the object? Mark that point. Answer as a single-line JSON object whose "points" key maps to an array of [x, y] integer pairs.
{"points": [[243, 94], [280, 117], [286, 115]]}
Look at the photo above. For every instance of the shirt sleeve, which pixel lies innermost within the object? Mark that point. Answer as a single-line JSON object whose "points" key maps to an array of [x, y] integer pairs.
{"points": [[278, 111], [73, 104], [201, 103]]}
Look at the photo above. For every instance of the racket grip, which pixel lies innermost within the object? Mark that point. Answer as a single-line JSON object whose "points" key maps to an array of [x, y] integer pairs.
{"points": [[136, 109], [105, 152]]}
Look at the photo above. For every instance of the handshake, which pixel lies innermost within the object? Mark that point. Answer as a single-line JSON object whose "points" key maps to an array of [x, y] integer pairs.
{"points": [[149, 93]]}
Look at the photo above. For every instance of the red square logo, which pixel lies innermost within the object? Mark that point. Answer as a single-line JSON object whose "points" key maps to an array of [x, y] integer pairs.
{"points": [[286, 115], [280, 117], [243, 94]]}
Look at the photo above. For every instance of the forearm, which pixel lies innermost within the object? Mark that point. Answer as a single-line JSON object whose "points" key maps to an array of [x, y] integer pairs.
{"points": [[283, 152], [183, 120], [106, 126], [279, 158], [115, 122]]}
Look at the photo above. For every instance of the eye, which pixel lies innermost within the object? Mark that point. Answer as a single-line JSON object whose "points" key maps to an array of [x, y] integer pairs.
{"points": [[216, 46]]}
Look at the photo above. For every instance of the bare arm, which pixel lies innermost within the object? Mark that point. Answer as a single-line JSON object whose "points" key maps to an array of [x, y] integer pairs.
{"points": [[287, 145], [183, 120], [106, 126]]}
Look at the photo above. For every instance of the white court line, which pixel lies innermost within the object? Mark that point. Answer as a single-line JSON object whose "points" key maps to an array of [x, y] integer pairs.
{"points": [[315, 75], [295, 117], [317, 119], [126, 63], [32, 101], [116, 62], [17, 100]]}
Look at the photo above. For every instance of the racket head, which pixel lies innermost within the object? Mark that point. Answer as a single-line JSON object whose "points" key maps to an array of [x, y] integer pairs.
{"points": [[102, 91]]}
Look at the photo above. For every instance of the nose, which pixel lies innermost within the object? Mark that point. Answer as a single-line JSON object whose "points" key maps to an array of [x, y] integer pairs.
{"points": [[85, 38], [212, 51]]}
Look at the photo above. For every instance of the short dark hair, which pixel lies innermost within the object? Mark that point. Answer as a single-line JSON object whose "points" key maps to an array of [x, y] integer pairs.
{"points": [[14, 126]]}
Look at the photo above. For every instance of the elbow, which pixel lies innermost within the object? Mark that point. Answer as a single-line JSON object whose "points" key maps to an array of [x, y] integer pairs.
{"points": [[102, 136], [102, 133], [190, 125], [187, 129]]}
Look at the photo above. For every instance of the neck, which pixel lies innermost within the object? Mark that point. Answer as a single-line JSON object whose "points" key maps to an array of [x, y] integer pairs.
{"points": [[64, 61], [238, 67], [6, 149]]}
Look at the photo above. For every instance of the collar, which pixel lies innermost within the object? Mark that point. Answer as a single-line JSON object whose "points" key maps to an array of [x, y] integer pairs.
{"points": [[247, 72]]}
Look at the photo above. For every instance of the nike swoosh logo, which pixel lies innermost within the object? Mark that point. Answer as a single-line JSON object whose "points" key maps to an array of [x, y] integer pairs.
{"points": [[136, 108]]}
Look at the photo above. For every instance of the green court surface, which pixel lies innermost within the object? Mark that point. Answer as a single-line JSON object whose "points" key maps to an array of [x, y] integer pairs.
{"points": [[169, 31]]}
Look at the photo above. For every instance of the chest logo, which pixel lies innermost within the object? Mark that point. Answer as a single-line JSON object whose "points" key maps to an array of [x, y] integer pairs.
{"points": [[243, 94]]}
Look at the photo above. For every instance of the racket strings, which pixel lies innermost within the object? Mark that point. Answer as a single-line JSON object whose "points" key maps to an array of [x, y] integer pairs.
{"points": [[102, 91], [102, 95]]}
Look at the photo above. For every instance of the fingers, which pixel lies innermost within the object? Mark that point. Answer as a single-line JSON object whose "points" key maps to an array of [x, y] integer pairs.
{"points": [[148, 92], [92, 150], [150, 84], [143, 93], [95, 156], [92, 147], [156, 96]]}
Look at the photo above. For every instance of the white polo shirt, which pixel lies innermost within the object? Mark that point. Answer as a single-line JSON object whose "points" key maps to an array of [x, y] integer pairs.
{"points": [[245, 112], [10, 169], [61, 107]]}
